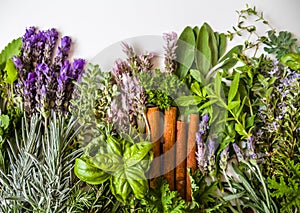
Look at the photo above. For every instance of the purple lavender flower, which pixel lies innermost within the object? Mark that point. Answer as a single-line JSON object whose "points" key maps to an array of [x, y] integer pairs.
{"points": [[51, 37], [201, 153], [18, 63], [78, 68], [250, 149], [170, 54], [145, 64], [203, 126], [63, 49], [238, 153]]}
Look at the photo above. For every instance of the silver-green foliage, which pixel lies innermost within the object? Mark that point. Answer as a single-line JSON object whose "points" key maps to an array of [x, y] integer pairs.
{"points": [[40, 178]]}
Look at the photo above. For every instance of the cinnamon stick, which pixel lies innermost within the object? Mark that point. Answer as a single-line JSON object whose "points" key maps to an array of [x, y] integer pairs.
{"points": [[191, 152], [169, 146], [181, 147], [153, 117]]}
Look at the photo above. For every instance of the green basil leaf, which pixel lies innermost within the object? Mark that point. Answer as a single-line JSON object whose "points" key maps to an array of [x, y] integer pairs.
{"points": [[88, 173], [135, 153], [113, 146], [185, 51], [108, 162], [188, 100], [137, 180], [146, 162], [11, 72], [234, 87], [203, 52], [120, 186]]}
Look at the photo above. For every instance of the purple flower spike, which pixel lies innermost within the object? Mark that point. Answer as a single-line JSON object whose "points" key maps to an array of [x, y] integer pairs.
{"points": [[238, 153], [18, 63], [170, 54], [66, 43], [78, 66], [29, 32]]}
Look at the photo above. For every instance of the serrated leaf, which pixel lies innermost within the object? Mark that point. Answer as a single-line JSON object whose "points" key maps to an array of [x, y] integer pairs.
{"points": [[13, 48], [11, 72]]}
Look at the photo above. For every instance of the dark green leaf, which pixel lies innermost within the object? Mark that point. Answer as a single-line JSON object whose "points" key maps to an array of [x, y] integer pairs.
{"points": [[222, 44], [234, 87], [235, 50]]}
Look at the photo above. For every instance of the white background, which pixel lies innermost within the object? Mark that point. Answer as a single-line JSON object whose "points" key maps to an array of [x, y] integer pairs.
{"points": [[94, 25]]}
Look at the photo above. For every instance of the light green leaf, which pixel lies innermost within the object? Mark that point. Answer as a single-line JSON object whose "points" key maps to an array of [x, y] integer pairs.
{"points": [[203, 53], [13, 48], [222, 44], [88, 173], [108, 162], [234, 87], [208, 104], [120, 186], [233, 104], [185, 51], [235, 50], [4, 121], [113, 146], [11, 72], [188, 100], [137, 181], [213, 44], [137, 152], [195, 88]]}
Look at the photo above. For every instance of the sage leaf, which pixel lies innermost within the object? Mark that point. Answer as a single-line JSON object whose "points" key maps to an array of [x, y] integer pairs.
{"points": [[185, 51], [203, 52], [222, 44]]}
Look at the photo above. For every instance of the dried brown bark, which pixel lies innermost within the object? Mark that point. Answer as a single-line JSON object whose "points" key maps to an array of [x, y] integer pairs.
{"points": [[169, 138], [181, 147], [191, 152]]}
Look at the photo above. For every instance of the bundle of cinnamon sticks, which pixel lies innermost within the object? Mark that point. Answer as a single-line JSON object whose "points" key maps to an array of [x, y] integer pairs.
{"points": [[174, 149]]}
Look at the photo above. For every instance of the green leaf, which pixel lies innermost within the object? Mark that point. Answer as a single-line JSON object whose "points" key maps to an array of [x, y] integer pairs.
{"points": [[185, 51], [13, 48], [88, 173], [4, 121], [120, 186], [108, 162], [188, 100], [208, 104], [222, 44], [137, 152], [137, 181], [113, 146], [228, 64], [235, 50], [197, 75], [234, 196], [233, 104], [292, 60], [203, 53], [11, 72], [195, 88], [213, 44], [240, 129], [234, 87]]}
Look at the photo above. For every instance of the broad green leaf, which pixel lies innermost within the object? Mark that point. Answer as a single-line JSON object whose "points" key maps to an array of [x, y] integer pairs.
{"points": [[240, 129], [203, 52], [185, 51], [235, 50], [213, 45], [136, 153], [4, 121], [250, 121], [88, 173], [113, 146], [292, 60], [137, 181], [13, 48], [234, 87], [218, 84], [188, 100], [222, 44], [11, 72], [120, 186], [108, 162]]}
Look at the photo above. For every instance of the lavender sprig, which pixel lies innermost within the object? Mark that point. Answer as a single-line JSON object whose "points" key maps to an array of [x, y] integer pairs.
{"points": [[170, 54]]}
